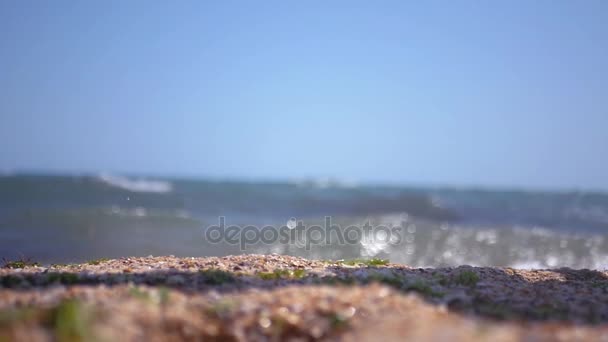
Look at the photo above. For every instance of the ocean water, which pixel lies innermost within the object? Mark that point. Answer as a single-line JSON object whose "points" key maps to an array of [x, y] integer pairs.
{"points": [[56, 219]]}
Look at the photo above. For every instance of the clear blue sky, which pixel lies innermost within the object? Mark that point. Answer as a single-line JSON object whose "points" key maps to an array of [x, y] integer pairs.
{"points": [[490, 93]]}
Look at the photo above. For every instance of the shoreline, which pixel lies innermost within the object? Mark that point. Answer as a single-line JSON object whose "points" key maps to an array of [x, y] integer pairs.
{"points": [[262, 297]]}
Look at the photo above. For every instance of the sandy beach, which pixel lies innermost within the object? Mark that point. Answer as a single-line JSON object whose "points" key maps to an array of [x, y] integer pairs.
{"points": [[277, 297]]}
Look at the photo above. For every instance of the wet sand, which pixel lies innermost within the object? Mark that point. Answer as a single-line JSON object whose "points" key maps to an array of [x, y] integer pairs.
{"points": [[276, 297]]}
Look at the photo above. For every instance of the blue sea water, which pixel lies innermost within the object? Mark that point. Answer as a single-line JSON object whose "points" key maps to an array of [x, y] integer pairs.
{"points": [[54, 218]]}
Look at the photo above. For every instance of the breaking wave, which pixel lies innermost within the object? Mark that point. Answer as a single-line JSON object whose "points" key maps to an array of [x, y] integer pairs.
{"points": [[136, 185]]}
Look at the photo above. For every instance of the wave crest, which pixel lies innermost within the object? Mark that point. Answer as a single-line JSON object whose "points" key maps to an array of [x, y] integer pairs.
{"points": [[136, 185]]}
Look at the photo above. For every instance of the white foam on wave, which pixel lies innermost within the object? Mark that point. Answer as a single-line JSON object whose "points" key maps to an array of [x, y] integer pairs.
{"points": [[136, 185], [325, 183], [370, 246]]}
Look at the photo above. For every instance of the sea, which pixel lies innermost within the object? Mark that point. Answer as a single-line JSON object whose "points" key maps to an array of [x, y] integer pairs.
{"points": [[75, 218]]}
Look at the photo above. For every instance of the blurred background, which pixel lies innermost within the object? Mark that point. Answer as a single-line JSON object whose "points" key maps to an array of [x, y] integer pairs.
{"points": [[127, 128]]}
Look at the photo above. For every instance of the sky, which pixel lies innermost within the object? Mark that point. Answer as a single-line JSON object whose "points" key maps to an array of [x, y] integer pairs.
{"points": [[460, 93]]}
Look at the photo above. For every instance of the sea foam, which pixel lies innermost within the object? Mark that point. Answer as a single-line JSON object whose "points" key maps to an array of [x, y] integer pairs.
{"points": [[136, 185]]}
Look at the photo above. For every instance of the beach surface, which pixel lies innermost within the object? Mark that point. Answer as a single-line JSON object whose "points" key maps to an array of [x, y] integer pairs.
{"points": [[278, 297]]}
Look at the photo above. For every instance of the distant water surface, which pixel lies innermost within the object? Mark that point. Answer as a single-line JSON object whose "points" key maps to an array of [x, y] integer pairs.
{"points": [[76, 218]]}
